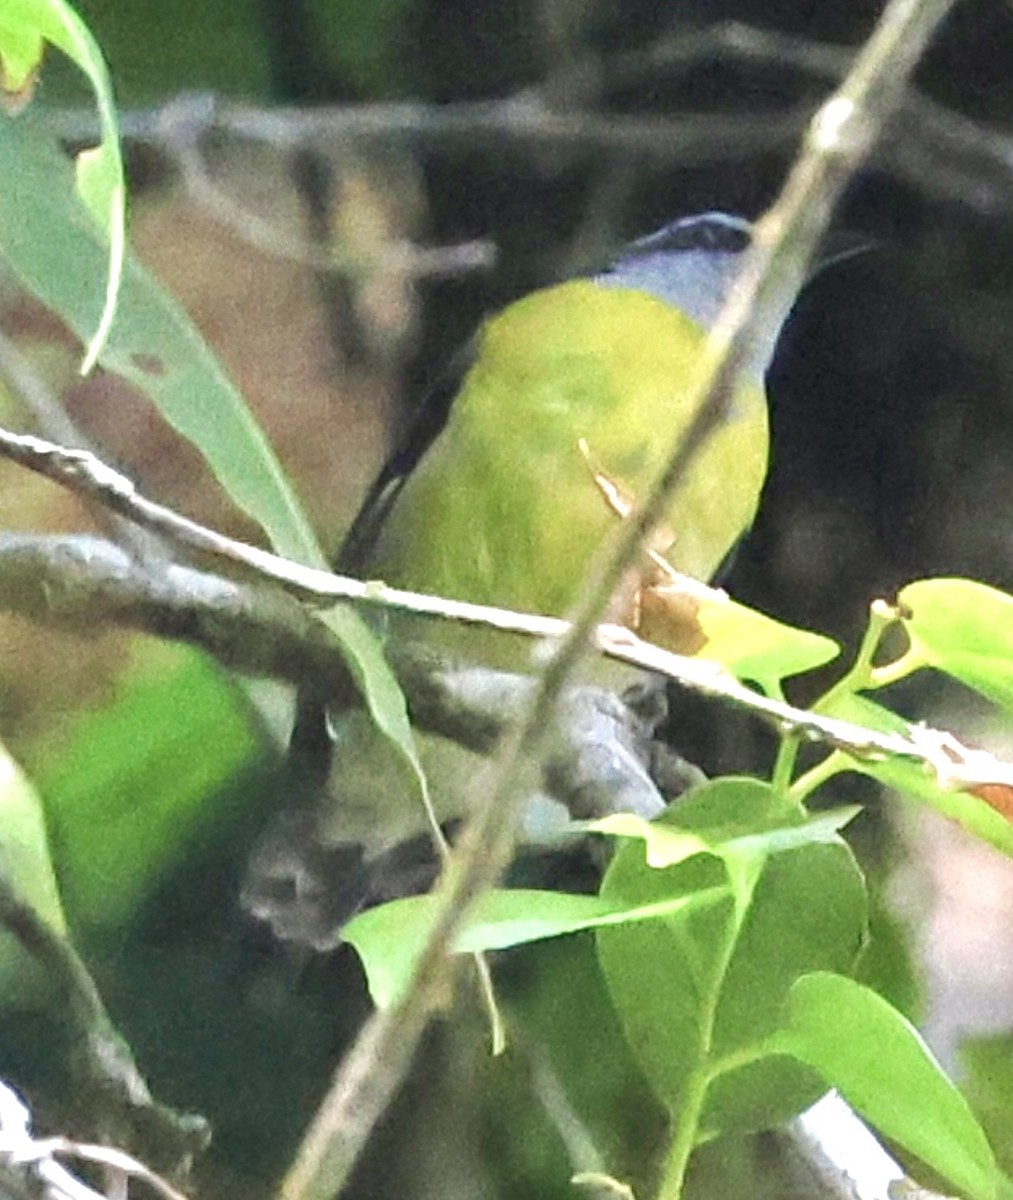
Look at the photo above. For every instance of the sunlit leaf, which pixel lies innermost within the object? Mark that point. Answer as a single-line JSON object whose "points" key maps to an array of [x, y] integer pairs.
{"points": [[20, 56], [964, 629], [666, 845], [25, 862], [710, 625], [879, 1063]]}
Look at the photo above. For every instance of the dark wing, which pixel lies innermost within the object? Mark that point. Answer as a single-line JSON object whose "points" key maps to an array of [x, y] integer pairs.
{"points": [[428, 422], [310, 742]]}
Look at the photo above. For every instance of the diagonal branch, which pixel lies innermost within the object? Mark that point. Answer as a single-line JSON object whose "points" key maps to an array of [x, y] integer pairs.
{"points": [[78, 582]]}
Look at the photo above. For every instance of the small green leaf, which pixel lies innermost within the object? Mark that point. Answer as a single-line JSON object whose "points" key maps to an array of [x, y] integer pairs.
{"points": [[964, 629], [24, 848], [880, 1065], [20, 54], [754, 646], [390, 938], [663, 845], [666, 845], [708, 624]]}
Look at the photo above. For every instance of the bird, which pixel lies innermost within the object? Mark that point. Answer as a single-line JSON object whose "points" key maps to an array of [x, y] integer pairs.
{"points": [[490, 498]]}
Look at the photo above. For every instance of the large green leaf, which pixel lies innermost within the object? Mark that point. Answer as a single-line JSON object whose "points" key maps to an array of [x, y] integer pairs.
{"points": [[877, 1061], [700, 990]]}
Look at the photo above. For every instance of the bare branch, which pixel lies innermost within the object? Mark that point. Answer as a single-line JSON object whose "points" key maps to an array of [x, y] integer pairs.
{"points": [[81, 582], [29, 1169], [107, 1085], [522, 120], [181, 134], [928, 145]]}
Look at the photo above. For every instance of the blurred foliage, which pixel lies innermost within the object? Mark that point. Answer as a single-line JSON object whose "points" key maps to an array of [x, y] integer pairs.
{"points": [[156, 49], [987, 1076]]}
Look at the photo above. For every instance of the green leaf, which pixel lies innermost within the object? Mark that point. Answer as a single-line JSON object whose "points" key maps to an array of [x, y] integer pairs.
{"points": [[964, 629], [99, 178], [390, 937], [878, 1062], [986, 1074], [153, 344], [708, 624], [20, 54], [25, 863], [665, 846], [699, 991], [911, 779], [132, 787], [755, 647]]}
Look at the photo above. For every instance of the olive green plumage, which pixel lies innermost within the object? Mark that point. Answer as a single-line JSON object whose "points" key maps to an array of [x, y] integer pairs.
{"points": [[492, 500]]}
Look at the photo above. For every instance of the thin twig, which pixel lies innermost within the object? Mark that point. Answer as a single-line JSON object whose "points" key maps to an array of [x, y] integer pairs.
{"points": [[939, 151], [182, 141], [522, 120], [51, 418]]}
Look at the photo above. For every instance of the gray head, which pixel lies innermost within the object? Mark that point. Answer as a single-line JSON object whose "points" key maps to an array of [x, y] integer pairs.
{"points": [[692, 264]]}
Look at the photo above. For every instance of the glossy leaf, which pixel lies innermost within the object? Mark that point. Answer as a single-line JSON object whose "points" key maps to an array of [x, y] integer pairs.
{"points": [[879, 1063], [964, 629], [699, 991]]}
